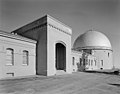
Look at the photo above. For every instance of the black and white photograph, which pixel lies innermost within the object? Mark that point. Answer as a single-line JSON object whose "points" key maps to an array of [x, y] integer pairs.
{"points": [[59, 46]]}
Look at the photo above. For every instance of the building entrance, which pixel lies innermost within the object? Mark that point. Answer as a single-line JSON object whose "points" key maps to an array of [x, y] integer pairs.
{"points": [[60, 57]]}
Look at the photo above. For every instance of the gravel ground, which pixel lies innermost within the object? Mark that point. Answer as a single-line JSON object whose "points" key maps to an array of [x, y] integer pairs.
{"points": [[76, 83]]}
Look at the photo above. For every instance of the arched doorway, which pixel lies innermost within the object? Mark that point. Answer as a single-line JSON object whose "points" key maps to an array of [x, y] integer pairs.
{"points": [[60, 57]]}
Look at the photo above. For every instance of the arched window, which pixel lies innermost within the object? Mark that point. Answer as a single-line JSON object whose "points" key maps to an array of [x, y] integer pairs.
{"points": [[9, 56], [25, 57]]}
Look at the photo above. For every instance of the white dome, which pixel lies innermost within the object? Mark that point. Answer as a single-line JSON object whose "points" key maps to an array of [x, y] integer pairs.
{"points": [[92, 40]]}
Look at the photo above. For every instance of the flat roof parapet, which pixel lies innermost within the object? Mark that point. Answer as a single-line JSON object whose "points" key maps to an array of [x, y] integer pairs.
{"points": [[45, 20], [16, 36]]}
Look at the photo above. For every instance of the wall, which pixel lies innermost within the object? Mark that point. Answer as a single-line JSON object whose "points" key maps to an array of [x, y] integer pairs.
{"points": [[77, 56], [40, 35], [103, 55], [18, 68], [92, 63], [41, 52], [55, 35], [47, 31]]}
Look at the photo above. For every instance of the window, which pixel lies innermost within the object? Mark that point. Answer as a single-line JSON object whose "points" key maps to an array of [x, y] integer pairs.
{"points": [[102, 62], [73, 60], [9, 56], [95, 62], [84, 62], [10, 74], [80, 61], [108, 54], [91, 62], [25, 57]]}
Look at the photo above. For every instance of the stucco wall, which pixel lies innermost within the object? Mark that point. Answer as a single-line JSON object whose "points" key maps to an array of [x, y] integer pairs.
{"points": [[77, 56], [56, 36], [41, 52], [103, 55], [47, 31], [92, 63], [18, 68], [40, 35]]}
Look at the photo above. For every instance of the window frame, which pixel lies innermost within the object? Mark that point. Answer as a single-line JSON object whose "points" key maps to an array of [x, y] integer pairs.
{"points": [[25, 56], [10, 55], [108, 54], [80, 60], [102, 63], [73, 61]]}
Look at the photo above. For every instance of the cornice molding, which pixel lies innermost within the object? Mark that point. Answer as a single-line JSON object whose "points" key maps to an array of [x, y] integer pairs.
{"points": [[46, 24], [57, 28], [16, 44], [58, 21], [39, 23], [94, 48], [78, 52], [16, 37]]}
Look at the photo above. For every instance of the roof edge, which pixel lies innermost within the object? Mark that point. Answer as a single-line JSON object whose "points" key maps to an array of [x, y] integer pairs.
{"points": [[58, 21], [94, 48], [17, 37]]}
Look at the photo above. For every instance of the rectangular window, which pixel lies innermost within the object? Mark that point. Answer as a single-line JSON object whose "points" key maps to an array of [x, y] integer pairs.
{"points": [[10, 74], [95, 62], [102, 62], [25, 57], [73, 61], [91, 62], [9, 56], [84, 62], [80, 60], [108, 54]]}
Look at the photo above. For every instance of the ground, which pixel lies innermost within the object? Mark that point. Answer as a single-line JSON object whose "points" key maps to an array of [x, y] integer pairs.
{"points": [[76, 83]]}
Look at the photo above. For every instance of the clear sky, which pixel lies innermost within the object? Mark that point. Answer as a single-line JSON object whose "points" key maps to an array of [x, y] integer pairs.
{"points": [[80, 15]]}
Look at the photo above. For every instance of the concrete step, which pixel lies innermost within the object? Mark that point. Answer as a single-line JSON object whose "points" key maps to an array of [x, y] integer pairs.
{"points": [[60, 72]]}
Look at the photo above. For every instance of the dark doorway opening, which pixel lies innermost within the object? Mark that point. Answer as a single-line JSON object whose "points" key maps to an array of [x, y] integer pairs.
{"points": [[60, 57]]}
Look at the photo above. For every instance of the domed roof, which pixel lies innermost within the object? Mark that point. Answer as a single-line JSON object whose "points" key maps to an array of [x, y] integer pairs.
{"points": [[92, 40]]}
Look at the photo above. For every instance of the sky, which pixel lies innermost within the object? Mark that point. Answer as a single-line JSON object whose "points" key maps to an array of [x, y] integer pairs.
{"points": [[80, 15]]}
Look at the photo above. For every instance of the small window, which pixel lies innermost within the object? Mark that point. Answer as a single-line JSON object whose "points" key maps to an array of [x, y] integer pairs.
{"points": [[108, 54], [73, 60], [9, 56], [25, 57], [84, 61], [10, 74], [80, 61], [91, 62], [102, 62], [95, 62]]}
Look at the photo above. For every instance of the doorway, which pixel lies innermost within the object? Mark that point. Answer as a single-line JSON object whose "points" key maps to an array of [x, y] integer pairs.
{"points": [[60, 57]]}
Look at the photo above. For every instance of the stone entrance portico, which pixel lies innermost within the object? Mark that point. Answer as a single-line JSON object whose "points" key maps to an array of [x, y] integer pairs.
{"points": [[53, 49]]}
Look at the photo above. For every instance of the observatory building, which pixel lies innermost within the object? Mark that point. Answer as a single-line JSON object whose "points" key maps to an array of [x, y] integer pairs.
{"points": [[96, 50], [43, 47]]}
